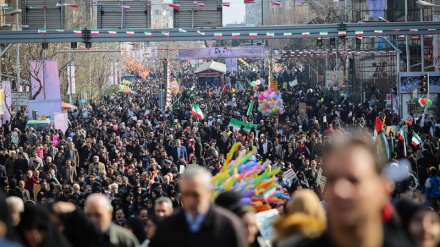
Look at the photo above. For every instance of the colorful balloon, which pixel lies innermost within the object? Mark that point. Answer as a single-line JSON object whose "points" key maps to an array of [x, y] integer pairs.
{"points": [[423, 101], [428, 102]]}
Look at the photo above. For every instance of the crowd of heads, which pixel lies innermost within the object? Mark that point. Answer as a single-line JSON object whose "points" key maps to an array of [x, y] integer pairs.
{"points": [[123, 159]]}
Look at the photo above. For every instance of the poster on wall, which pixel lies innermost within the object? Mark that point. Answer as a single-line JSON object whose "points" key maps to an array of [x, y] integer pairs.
{"points": [[408, 81]]}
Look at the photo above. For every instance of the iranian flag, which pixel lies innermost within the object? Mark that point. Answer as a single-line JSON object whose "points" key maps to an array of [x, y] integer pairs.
{"points": [[249, 1], [402, 138], [112, 32], [147, 113], [197, 112], [182, 30], [201, 5], [147, 3], [226, 4], [383, 148], [414, 30], [148, 33], [130, 33], [342, 33], [323, 33], [174, 5], [218, 35], [394, 30], [431, 131], [359, 33], [415, 140], [166, 33], [125, 7], [253, 35], [378, 31], [276, 3], [42, 30], [60, 30], [24, 26], [288, 34], [235, 35], [305, 34], [269, 193], [94, 32], [270, 34], [431, 30], [77, 31]]}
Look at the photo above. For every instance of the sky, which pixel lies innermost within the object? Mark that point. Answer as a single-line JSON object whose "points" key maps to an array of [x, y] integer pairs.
{"points": [[235, 13]]}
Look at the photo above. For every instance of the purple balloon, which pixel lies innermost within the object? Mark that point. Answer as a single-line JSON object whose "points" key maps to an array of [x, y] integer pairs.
{"points": [[245, 201]]}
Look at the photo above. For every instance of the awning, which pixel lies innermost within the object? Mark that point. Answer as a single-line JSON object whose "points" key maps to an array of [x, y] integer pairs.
{"points": [[219, 67], [67, 106]]}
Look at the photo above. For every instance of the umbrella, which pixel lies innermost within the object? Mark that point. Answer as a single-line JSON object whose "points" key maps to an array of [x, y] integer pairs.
{"points": [[67, 106]]}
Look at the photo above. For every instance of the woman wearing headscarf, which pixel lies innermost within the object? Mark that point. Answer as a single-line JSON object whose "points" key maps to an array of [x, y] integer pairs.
{"points": [[305, 218], [36, 230]]}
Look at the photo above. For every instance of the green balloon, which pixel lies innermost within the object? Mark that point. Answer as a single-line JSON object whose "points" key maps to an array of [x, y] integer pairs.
{"points": [[428, 102], [253, 83]]}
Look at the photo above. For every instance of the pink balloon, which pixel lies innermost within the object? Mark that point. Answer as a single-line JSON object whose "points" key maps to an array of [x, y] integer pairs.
{"points": [[115, 127]]}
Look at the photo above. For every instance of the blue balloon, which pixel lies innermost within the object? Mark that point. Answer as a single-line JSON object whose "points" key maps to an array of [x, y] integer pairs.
{"points": [[83, 101]]}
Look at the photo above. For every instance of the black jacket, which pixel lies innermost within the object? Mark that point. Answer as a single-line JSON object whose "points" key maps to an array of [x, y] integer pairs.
{"points": [[394, 236], [220, 228]]}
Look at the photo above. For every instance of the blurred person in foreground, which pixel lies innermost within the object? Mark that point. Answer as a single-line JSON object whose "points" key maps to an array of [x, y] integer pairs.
{"points": [[7, 233], [305, 218], [232, 201], [199, 223], [421, 223], [98, 208], [357, 194]]}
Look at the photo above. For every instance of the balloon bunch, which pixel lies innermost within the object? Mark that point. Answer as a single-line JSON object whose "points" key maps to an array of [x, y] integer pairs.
{"points": [[255, 84], [270, 102], [253, 180], [425, 102]]}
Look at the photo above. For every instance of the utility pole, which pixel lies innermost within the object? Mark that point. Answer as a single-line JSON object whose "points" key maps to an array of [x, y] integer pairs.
{"points": [[18, 81]]}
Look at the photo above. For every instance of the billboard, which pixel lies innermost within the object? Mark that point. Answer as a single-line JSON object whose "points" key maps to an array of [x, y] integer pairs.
{"points": [[123, 14], [47, 73], [408, 81], [198, 15], [41, 13]]}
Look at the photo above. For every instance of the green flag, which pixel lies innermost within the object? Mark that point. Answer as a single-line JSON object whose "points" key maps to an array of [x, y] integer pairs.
{"points": [[251, 106]]}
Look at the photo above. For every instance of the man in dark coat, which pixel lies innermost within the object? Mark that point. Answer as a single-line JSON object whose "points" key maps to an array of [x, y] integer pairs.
{"points": [[359, 211], [200, 223]]}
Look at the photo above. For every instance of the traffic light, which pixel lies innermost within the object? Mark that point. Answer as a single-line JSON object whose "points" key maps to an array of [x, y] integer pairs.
{"points": [[45, 45], [88, 45], [332, 41], [358, 42], [73, 45], [86, 34], [423, 84], [319, 41]]}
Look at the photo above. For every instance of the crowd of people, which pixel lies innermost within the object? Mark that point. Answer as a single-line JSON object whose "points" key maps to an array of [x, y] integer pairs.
{"points": [[128, 173]]}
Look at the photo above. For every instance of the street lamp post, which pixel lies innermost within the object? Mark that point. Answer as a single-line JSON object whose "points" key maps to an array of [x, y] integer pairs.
{"points": [[423, 4]]}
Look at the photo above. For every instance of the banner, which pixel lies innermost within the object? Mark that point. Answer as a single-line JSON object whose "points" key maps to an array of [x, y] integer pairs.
{"points": [[6, 86], [169, 98], [222, 52], [151, 52], [231, 64], [2, 102], [236, 125], [71, 78], [264, 223], [47, 73], [61, 121]]}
